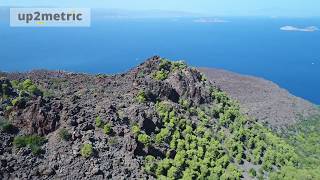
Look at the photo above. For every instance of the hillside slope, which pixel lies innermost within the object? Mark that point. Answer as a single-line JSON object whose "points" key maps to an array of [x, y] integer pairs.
{"points": [[160, 120], [261, 98]]}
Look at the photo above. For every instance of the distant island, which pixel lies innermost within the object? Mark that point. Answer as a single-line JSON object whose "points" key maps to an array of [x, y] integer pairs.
{"points": [[210, 20], [306, 29]]}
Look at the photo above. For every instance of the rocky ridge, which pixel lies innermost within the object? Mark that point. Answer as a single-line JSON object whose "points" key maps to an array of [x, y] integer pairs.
{"points": [[129, 126]]}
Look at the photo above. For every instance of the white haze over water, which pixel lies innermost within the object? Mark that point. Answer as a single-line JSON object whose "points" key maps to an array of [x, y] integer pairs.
{"points": [[306, 29]]}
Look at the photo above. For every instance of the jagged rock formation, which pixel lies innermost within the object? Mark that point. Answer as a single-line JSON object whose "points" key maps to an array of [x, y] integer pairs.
{"points": [[261, 98], [160, 119]]}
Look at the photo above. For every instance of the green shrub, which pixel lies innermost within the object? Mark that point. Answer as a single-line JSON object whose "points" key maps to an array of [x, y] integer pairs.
{"points": [[5, 126], [163, 135], [86, 150], [160, 75], [26, 84], [98, 122], [141, 97], [33, 89], [163, 166], [252, 173], [231, 173], [165, 65], [144, 139], [135, 129], [107, 129], [15, 84], [178, 65], [8, 108], [17, 101], [173, 173], [64, 134], [150, 164], [184, 103], [33, 142]]}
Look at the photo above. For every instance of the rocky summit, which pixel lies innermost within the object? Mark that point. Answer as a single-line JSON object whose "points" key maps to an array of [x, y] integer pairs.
{"points": [[160, 120]]}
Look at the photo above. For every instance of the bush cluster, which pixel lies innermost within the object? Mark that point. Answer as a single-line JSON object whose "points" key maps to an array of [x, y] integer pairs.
{"points": [[107, 128], [161, 75], [24, 89], [33, 142], [165, 67], [28, 86]]}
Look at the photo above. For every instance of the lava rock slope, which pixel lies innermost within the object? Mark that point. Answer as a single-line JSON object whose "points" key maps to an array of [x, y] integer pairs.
{"points": [[161, 119]]}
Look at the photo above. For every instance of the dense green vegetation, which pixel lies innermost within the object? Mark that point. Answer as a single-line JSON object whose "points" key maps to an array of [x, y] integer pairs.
{"points": [[33, 142], [165, 67], [305, 138], [18, 92], [27, 86], [214, 147]]}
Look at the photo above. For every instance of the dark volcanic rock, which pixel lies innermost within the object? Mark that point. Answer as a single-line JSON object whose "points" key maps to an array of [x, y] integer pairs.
{"points": [[39, 116], [74, 102]]}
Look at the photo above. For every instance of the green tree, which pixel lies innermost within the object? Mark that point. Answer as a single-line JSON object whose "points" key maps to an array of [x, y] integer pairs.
{"points": [[163, 135], [144, 139]]}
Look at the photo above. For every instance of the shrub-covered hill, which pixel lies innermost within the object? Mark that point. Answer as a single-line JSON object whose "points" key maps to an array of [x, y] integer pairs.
{"points": [[262, 99], [161, 120]]}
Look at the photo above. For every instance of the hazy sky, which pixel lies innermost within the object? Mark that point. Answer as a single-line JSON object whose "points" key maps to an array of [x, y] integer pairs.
{"points": [[293, 8]]}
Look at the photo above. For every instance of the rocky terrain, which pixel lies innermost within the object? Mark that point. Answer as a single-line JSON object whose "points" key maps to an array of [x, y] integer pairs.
{"points": [[262, 99], [161, 119]]}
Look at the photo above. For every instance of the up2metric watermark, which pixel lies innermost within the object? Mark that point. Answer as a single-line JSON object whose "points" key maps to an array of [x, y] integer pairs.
{"points": [[50, 17]]}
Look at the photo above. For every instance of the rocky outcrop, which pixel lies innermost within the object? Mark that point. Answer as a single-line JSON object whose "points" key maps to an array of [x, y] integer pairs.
{"points": [[73, 103], [39, 116]]}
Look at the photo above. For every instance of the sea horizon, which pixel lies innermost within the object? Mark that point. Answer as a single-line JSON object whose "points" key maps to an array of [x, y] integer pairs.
{"points": [[251, 46]]}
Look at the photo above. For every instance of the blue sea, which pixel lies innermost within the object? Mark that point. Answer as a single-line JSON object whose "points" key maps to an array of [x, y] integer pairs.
{"points": [[252, 46]]}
